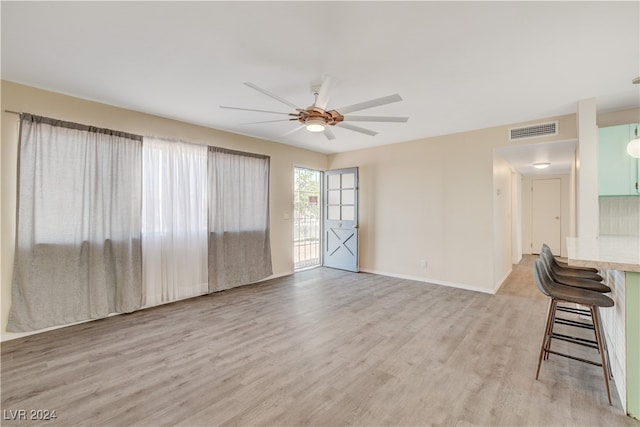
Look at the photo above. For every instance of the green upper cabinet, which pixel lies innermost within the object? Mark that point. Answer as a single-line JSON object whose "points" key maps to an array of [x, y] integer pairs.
{"points": [[617, 170]]}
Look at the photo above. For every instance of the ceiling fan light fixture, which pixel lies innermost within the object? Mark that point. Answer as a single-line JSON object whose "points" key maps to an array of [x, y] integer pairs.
{"points": [[317, 117], [541, 165], [315, 125]]}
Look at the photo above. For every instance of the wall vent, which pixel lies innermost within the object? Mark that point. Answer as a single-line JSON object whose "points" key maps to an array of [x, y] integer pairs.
{"points": [[533, 131]]}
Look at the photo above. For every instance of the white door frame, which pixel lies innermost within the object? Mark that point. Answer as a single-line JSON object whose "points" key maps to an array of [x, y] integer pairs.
{"points": [[526, 211]]}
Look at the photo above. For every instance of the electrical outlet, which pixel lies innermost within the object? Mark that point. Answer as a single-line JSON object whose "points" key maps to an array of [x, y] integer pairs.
{"points": [[423, 263]]}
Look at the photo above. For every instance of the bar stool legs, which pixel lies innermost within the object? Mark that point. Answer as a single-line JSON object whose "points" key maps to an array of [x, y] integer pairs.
{"points": [[549, 334], [546, 338], [603, 353], [583, 312]]}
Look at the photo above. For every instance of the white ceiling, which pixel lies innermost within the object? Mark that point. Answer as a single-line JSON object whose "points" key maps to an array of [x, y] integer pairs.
{"points": [[559, 154], [458, 65]]}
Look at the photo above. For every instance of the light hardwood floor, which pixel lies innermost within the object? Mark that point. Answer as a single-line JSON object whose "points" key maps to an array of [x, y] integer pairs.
{"points": [[321, 347]]}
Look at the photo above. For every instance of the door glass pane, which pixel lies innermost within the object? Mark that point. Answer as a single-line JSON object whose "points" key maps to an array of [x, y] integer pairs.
{"points": [[334, 197], [348, 213], [348, 180], [333, 213], [307, 217], [334, 182], [348, 197]]}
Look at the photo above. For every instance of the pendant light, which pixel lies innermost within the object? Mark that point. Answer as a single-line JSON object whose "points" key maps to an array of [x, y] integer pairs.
{"points": [[633, 147]]}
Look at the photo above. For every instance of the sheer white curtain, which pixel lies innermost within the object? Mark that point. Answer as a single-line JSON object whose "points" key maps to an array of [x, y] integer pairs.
{"points": [[78, 227], [239, 240], [174, 220]]}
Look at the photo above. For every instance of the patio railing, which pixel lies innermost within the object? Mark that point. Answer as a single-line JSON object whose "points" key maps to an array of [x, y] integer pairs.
{"points": [[306, 242]]}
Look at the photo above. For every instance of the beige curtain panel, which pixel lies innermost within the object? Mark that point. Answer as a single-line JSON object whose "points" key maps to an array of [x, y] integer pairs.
{"points": [[78, 253], [108, 223], [239, 241]]}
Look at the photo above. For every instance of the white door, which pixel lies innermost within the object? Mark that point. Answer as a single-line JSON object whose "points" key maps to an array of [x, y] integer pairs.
{"points": [[341, 219], [545, 214]]}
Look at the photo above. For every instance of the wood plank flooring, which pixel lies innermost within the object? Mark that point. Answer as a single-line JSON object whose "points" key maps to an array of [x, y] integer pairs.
{"points": [[322, 347]]}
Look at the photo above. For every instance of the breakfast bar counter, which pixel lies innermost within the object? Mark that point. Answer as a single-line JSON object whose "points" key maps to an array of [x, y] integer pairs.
{"points": [[618, 259], [605, 252]]}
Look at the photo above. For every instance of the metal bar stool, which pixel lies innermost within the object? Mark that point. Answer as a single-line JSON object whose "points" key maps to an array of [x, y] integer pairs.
{"points": [[592, 284], [588, 284], [559, 293]]}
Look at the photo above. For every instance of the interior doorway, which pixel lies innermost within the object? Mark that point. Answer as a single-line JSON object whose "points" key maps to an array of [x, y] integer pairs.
{"points": [[546, 196], [307, 218]]}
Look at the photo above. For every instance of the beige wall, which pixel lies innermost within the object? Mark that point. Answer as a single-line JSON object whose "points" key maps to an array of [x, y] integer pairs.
{"points": [[433, 199], [616, 118], [516, 217], [27, 99], [502, 219], [587, 170]]}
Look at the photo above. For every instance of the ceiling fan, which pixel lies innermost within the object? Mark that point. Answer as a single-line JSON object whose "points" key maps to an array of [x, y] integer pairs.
{"points": [[317, 118]]}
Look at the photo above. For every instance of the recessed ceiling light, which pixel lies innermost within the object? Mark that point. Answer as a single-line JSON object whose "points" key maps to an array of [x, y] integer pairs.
{"points": [[541, 165]]}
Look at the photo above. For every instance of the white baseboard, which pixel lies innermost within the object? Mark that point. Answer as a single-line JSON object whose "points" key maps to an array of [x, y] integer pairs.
{"points": [[501, 281], [432, 281], [7, 336], [275, 276]]}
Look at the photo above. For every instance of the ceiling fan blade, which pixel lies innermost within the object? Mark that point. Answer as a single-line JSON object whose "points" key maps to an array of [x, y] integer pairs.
{"points": [[369, 104], [375, 119], [323, 94], [293, 130], [328, 133], [272, 95], [266, 121], [251, 109], [356, 128]]}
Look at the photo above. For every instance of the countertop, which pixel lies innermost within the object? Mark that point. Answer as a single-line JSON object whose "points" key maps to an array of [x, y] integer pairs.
{"points": [[605, 252]]}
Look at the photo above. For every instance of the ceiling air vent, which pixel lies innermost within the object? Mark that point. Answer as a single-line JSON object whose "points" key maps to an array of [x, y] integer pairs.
{"points": [[533, 131]]}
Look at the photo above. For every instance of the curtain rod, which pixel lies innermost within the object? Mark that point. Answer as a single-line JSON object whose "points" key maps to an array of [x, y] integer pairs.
{"points": [[12, 112]]}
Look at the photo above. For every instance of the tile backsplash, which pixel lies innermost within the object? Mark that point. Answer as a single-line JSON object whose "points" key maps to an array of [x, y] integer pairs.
{"points": [[620, 215]]}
